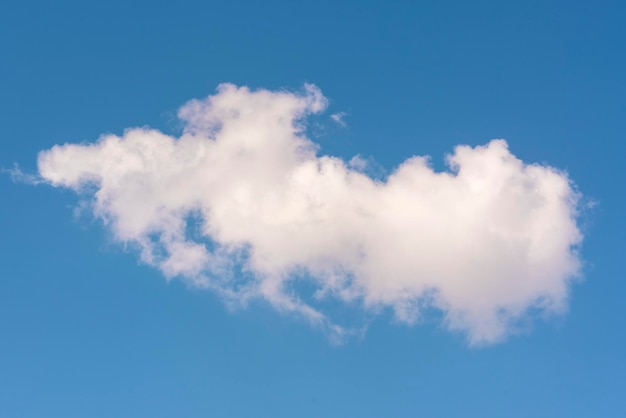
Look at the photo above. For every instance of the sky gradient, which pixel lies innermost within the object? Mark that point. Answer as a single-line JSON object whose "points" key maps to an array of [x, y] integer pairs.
{"points": [[89, 328]]}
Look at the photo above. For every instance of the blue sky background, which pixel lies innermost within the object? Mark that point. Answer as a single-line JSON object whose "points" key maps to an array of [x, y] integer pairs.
{"points": [[87, 332]]}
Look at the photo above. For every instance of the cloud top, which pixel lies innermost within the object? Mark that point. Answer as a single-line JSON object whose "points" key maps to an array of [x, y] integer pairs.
{"points": [[242, 203]]}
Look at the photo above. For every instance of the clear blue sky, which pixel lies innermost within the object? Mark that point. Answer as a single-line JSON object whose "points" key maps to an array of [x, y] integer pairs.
{"points": [[87, 331]]}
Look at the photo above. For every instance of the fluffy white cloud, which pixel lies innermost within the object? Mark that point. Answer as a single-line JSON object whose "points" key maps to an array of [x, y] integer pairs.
{"points": [[484, 243]]}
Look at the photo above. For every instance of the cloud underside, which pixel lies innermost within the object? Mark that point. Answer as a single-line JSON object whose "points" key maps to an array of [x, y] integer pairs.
{"points": [[242, 203]]}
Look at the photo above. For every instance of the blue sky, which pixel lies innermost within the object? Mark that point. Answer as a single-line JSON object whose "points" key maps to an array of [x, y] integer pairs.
{"points": [[89, 330]]}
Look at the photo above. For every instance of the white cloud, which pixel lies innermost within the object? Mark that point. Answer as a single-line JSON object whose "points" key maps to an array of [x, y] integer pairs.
{"points": [[339, 117], [483, 243], [18, 176]]}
